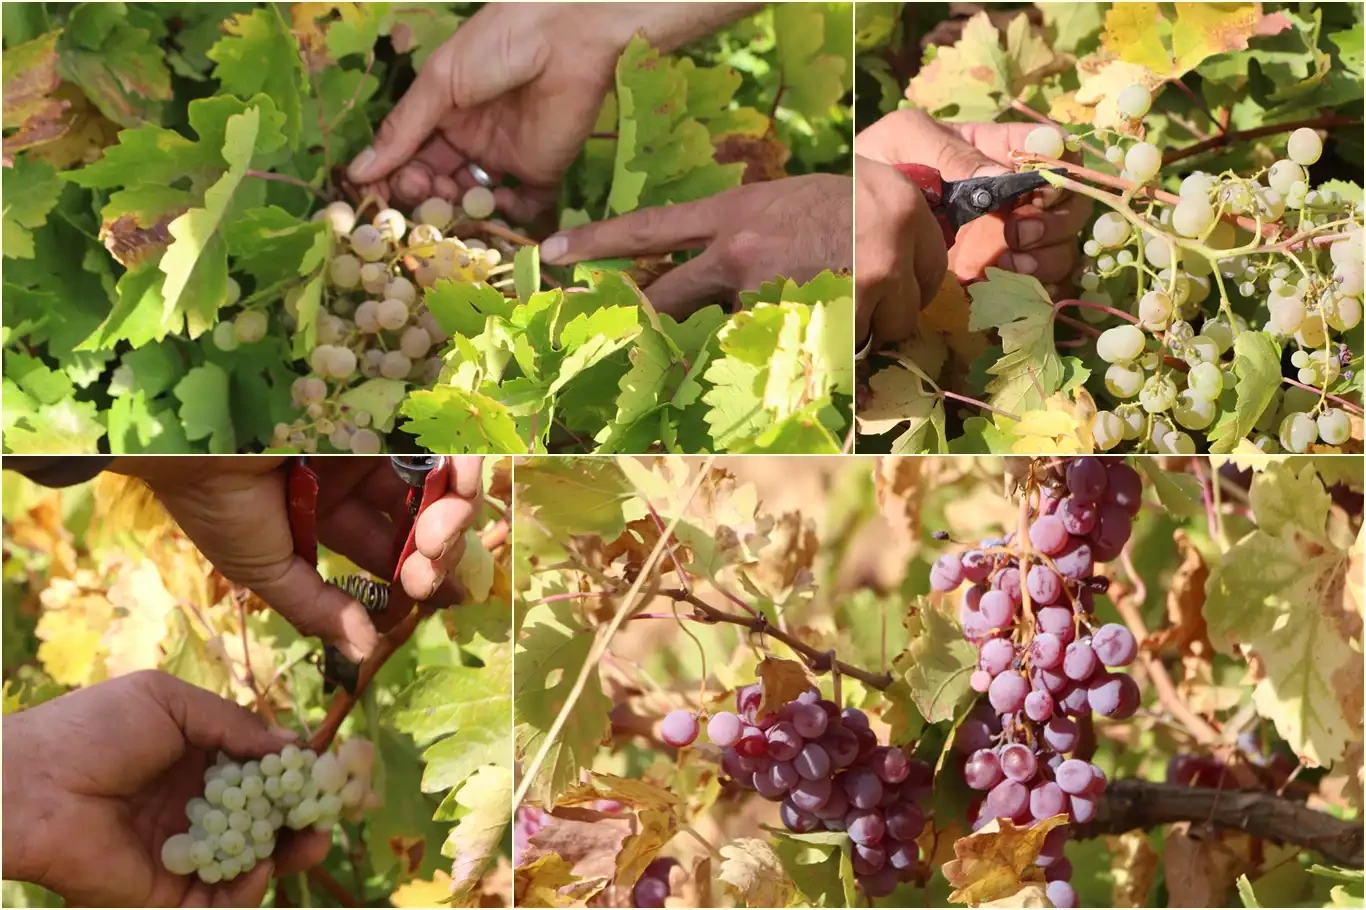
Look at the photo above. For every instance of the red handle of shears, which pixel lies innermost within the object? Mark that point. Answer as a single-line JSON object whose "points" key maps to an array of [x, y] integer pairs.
{"points": [[931, 184]]}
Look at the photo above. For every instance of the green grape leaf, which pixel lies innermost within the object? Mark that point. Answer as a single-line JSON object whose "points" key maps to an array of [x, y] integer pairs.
{"points": [[450, 421], [155, 368], [812, 864], [1257, 364], [138, 314], [485, 804], [137, 427], [1179, 493], [577, 495], [134, 222], [205, 408], [1020, 309], [1072, 24], [309, 304], [461, 307], [1351, 45], [196, 262], [120, 67], [272, 245], [419, 29], [937, 664], [736, 401], [801, 433], [526, 271], [378, 397], [460, 714], [814, 53], [31, 190], [68, 427], [260, 55], [44, 385], [552, 647]]}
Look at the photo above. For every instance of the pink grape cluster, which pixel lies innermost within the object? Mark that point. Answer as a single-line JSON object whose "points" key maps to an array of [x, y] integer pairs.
{"points": [[1043, 668], [829, 772]]}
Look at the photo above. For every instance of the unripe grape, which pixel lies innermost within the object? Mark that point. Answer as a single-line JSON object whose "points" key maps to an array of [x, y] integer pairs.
{"points": [[1287, 313], [436, 212], [365, 442], [1110, 230], [1342, 312], [1044, 141], [1155, 310], [401, 289], [1114, 154], [367, 317], [1193, 411], [344, 271], [392, 315], [368, 243], [478, 202], [1134, 102], [1348, 279], [1143, 160], [374, 277], [1298, 432], [415, 342], [250, 326], [225, 336], [1123, 380], [1158, 394], [391, 224], [1107, 430], [1237, 198], [1196, 186], [1120, 344], [1206, 380], [1159, 252], [1283, 175], [1270, 203], [176, 855], [1335, 427], [1191, 217]]}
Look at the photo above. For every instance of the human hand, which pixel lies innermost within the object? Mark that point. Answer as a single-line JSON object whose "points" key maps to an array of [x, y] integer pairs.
{"points": [[794, 227], [95, 781], [1038, 238], [901, 256], [234, 510]]}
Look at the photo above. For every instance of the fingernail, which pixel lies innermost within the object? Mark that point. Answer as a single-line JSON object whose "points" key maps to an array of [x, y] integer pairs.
{"points": [[363, 161], [1028, 232], [288, 736], [1020, 263], [553, 247], [1051, 196]]}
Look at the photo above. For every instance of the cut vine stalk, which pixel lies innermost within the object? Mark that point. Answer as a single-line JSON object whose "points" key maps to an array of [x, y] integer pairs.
{"points": [[595, 653], [1231, 136]]}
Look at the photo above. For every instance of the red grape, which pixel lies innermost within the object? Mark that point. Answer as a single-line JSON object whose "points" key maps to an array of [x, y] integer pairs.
{"points": [[679, 728]]}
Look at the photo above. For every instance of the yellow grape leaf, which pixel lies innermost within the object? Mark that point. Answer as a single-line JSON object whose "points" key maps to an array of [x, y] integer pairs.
{"points": [[655, 828], [897, 396], [947, 315], [1131, 34], [475, 570], [75, 616], [142, 603], [1201, 30], [637, 794], [783, 566], [1133, 866], [1028, 896], [755, 872], [997, 861], [1048, 432], [783, 680], [537, 884], [487, 798], [422, 893]]}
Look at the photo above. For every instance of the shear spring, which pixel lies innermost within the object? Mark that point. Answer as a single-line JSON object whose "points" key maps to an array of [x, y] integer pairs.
{"points": [[373, 595]]}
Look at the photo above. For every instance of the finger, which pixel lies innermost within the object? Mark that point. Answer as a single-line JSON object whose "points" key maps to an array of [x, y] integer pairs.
{"points": [[444, 523], [247, 891], [301, 850], [198, 895], [1030, 226], [446, 188], [441, 157], [994, 140], [651, 231], [895, 318], [1048, 264], [913, 136], [316, 608], [694, 283], [467, 475], [421, 576], [359, 532], [211, 722], [412, 183], [411, 121], [524, 204]]}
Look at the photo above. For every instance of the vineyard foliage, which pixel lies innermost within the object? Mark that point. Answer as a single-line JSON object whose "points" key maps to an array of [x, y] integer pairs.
{"points": [[1251, 599], [99, 582], [1255, 276], [166, 284]]}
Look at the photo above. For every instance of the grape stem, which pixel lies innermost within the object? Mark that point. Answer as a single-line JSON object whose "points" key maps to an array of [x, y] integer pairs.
{"points": [[1131, 804], [1230, 136], [819, 661], [286, 178], [1020, 107]]}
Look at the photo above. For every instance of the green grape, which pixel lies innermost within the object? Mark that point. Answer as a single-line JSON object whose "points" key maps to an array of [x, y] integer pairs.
{"points": [[1304, 146], [1110, 230], [1177, 443], [1206, 380], [478, 201], [1201, 349], [1120, 344], [1158, 394], [1132, 417], [1044, 141], [1193, 411], [1114, 154], [1300, 358], [1298, 432], [1334, 426], [1123, 380], [1107, 430], [1143, 160], [1134, 102], [1154, 310]]}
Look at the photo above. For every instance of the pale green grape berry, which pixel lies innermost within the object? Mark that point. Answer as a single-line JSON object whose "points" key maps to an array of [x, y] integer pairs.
{"points": [[250, 326], [215, 821], [1123, 380], [1206, 380], [176, 854], [1114, 154], [392, 315], [1110, 230], [271, 766], [1304, 146], [1107, 430], [1276, 284], [1287, 314], [1143, 160], [1105, 264], [310, 789], [1044, 141], [436, 212], [1191, 217], [1125, 257], [1247, 289], [1220, 332], [1159, 252], [1300, 359], [1131, 415], [213, 791], [1072, 143], [344, 271], [1201, 349], [1091, 248], [1090, 281], [263, 849], [196, 809], [273, 788], [1237, 198], [330, 804], [395, 365], [1134, 102], [1349, 279], [374, 277], [1157, 430], [1335, 427], [1192, 411], [1349, 249], [1342, 312], [230, 867], [232, 843], [1283, 175], [415, 342], [261, 831], [340, 216], [258, 806], [368, 243], [365, 442], [1155, 310], [225, 336], [367, 317], [328, 773], [478, 202], [1177, 443], [401, 289], [202, 852], [239, 820], [1120, 344], [1196, 186], [353, 794], [210, 873], [1157, 395], [292, 781], [251, 769], [233, 798], [391, 224], [1298, 432], [1270, 203]]}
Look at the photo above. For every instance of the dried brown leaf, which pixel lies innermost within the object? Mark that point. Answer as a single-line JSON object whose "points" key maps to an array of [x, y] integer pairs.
{"points": [[1199, 868], [783, 680], [997, 861], [753, 869], [1133, 864]]}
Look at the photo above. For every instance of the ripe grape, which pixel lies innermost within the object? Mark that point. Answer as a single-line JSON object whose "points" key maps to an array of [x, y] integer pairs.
{"points": [[395, 365], [947, 573], [679, 728], [478, 202], [813, 762], [1110, 230], [250, 326], [865, 826], [1008, 691], [1044, 585], [1121, 344], [1061, 894], [1143, 160], [1038, 705], [368, 243], [1018, 762], [392, 314], [724, 729], [365, 442], [436, 212], [1192, 217], [1134, 102], [1334, 426], [1155, 310], [1048, 535], [1044, 141], [1114, 645]]}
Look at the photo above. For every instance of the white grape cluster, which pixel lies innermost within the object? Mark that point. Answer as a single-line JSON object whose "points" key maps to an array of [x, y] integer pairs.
{"points": [[234, 824], [1171, 374], [373, 321]]}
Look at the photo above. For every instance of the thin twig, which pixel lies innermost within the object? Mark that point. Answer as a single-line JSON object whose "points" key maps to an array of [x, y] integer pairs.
{"points": [[324, 879], [286, 178], [1020, 107], [681, 572], [1199, 102], [1232, 136]]}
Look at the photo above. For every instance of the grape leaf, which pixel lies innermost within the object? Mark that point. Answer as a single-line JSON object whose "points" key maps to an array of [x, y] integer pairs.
{"points": [[53, 121], [451, 421], [119, 66], [260, 55], [138, 427], [31, 190], [272, 245], [753, 869], [816, 65], [937, 664], [1257, 364], [460, 714], [1072, 24], [46, 386], [68, 427], [577, 495], [1019, 308], [1133, 33], [997, 860], [205, 408]]}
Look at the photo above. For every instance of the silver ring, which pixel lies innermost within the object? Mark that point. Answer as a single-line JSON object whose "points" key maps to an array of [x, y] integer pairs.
{"points": [[480, 175]]}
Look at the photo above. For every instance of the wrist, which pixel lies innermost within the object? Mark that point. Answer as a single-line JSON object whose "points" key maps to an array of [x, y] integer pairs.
{"points": [[30, 805]]}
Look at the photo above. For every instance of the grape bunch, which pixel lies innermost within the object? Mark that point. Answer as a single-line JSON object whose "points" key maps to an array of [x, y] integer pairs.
{"points": [[653, 885], [1187, 270], [829, 772], [233, 825], [371, 321], [1042, 667]]}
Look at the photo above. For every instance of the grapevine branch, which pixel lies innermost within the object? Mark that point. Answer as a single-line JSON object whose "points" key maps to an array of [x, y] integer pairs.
{"points": [[1139, 804], [1231, 136], [820, 661]]}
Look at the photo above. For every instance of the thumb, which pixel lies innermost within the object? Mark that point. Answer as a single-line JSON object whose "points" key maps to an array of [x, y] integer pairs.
{"points": [[914, 137], [211, 722]]}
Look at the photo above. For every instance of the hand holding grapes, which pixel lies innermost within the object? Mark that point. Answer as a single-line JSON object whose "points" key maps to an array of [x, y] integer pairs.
{"points": [[794, 227], [96, 780], [234, 510], [1038, 239]]}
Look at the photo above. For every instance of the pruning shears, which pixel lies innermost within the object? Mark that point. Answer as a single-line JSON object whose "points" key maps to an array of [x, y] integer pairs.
{"points": [[387, 603], [956, 202]]}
